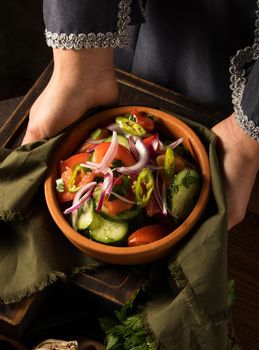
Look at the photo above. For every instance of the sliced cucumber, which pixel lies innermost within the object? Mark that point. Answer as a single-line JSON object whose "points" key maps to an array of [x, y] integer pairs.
{"points": [[122, 140], [122, 217], [184, 193], [85, 216], [106, 231]]}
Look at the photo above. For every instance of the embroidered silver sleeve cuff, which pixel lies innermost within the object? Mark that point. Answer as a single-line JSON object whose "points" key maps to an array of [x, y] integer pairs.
{"points": [[238, 81], [119, 38]]}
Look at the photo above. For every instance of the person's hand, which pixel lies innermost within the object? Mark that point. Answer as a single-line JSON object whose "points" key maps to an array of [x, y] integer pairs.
{"points": [[239, 156], [80, 81]]}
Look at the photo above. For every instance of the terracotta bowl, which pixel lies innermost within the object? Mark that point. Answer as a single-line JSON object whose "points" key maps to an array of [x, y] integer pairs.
{"points": [[128, 255]]}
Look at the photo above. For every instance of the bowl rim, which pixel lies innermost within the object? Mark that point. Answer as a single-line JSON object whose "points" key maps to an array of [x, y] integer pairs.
{"points": [[109, 250]]}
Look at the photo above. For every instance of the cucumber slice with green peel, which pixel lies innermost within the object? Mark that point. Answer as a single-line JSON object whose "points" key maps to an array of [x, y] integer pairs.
{"points": [[122, 217], [184, 193], [85, 215], [122, 140], [108, 232]]}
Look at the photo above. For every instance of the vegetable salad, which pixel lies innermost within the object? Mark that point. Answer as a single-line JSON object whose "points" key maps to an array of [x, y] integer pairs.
{"points": [[126, 185]]}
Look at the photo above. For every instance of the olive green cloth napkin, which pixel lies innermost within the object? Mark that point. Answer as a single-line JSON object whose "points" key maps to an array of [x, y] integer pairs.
{"points": [[33, 253], [188, 307]]}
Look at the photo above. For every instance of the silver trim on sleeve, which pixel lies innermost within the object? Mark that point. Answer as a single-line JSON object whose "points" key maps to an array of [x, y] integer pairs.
{"points": [[238, 81], [119, 38]]}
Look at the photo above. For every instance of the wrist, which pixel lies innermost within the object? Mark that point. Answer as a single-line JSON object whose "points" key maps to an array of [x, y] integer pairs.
{"points": [[86, 65], [246, 145]]}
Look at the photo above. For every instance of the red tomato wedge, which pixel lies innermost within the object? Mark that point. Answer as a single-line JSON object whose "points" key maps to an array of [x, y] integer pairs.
{"points": [[123, 154], [116, 206], [65, 196], [72, 161], [65, 168], [147, 234], [142, 119], [148, 140]]}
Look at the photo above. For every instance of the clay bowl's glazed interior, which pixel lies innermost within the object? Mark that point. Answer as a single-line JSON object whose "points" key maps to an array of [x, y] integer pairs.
{"points": [[128, 255]]}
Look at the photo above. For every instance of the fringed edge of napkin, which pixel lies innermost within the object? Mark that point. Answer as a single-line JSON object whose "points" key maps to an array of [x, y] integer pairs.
{"points": [[46, 281], [150, 333], [12, 215]]}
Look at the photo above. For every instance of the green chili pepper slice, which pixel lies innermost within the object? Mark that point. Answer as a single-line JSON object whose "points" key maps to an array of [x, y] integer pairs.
{"points": [[72, 186], [169, 164], [95, 134], [143, 187], [130, 126]]}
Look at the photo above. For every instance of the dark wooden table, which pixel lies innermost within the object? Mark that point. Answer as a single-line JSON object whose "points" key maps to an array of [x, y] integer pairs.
{"points": [[243, 239]]}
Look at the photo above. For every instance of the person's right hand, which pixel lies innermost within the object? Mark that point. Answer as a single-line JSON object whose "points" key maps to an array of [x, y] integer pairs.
{"points": [[239, 156], [81, 80]]}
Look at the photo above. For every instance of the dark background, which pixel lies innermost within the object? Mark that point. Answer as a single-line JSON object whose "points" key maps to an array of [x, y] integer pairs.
{"points": [[23, 51]]}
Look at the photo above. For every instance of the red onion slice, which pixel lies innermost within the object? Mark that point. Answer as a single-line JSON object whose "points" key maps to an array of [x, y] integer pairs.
{"points": [[106, 187], [176, 143], [90, 165], [95, 142], [123, 198], [157, 194], [73, 219], [111, 152], [133, 147], [81, 196], [155, 142], [170, 212], [164, 210], [108, 181], [100, 203], [114, 127], [141, 163], [91, 149]]}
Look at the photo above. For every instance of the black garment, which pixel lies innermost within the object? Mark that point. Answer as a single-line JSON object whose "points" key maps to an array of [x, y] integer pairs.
{"points": [[183, 45], [187, 45], [23, 52]]}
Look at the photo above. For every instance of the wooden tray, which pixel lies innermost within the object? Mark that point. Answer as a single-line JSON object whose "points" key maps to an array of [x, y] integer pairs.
{"points": [[116, 285]]}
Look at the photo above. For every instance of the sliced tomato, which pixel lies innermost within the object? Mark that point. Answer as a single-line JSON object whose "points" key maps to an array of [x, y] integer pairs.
{"points": [[86, 146], [72, 161], [148, 140], [152, 207], [65, 196], [123, 154], [142, 119], [116, 206], [147, 234], [66, 169]]}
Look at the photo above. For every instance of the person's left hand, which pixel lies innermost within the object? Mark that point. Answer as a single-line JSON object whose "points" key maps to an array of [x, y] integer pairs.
{"points": [[81, 80], [239, 157]]}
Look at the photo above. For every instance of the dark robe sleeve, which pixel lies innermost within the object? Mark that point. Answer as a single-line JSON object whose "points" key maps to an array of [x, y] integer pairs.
{"points": [[76, 24], [244, 71]]}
